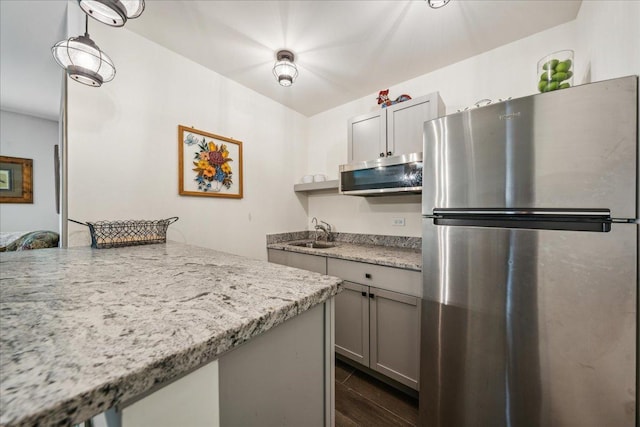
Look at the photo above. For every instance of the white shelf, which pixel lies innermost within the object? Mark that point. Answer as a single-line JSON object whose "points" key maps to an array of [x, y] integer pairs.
{"points": [[316, 186]]}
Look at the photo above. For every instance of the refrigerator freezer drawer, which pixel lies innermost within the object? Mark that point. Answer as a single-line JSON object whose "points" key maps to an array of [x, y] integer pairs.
{"points": [[529, 327]]}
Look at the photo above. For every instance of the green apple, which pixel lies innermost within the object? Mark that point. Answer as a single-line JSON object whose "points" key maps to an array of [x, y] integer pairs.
{"points": [[550, 65], [542, 85], [563, 66], [552, 86], [558, 77]]}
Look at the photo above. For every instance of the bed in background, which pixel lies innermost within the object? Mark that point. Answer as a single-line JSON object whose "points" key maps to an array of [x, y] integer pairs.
{"points": [[26, 240]]}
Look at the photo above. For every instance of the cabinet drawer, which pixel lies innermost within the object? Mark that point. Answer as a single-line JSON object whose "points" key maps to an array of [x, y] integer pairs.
{"points": [[298, 260], [392, 279]]}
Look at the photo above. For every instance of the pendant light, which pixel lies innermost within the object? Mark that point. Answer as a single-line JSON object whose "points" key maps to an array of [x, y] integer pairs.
{"points": [[284, 69], [83, 60], [112, 12]]}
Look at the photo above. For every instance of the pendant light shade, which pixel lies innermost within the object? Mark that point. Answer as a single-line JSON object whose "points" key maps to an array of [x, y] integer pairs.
{"points": [[112, 12], [84, 61], [284, 69], [436, 4]]}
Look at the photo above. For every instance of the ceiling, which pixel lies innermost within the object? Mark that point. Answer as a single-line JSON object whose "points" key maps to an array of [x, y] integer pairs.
{"points": [[344, 49], [30, 79]]}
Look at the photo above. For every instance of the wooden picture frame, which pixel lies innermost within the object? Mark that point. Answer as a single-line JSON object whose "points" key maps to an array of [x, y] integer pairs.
{"points": [[209, 165], [18, 173]]}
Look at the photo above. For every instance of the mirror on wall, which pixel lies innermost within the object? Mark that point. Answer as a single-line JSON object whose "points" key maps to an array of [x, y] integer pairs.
{"points": [[31, 118]]}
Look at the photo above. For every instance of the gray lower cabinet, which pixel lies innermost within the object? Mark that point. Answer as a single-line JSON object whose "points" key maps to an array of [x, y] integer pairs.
{"points": [[307, 262], [378, 318], [377, 315], [380, 329]]}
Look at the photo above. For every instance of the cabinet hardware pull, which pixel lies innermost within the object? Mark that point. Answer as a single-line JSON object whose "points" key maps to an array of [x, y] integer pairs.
{"points": [[372, 296], [364, 294], [389, 153], [367, 275], [381, 154]]}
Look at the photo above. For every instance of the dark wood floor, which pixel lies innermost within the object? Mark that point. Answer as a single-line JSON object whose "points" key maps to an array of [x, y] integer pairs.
{"points": [[362, 400]]}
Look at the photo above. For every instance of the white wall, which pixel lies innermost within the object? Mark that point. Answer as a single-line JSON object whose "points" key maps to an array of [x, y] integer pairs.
{"points": [[605, 40], [123, 136], [32, 138], [123, 149], [609, 37]]}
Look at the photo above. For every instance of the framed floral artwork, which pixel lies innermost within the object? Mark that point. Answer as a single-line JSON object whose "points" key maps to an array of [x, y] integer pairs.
{"points": [[208, 165], [16, 180]]}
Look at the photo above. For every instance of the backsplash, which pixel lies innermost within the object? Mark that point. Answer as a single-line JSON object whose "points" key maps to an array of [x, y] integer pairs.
{"points": [[359, 239], [288, 237]]}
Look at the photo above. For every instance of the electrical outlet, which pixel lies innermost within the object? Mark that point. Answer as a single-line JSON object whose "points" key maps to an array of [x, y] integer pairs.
{"points": [[397, 222]]}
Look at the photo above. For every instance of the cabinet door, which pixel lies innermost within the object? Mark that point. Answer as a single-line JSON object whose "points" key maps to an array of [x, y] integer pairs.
{"points": [[405, 124], [367, 136], [298, 260], [352, 322], [395, 336]]}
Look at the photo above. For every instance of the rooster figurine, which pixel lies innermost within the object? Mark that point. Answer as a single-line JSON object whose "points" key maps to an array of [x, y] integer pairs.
{"points": [[384, 101]]}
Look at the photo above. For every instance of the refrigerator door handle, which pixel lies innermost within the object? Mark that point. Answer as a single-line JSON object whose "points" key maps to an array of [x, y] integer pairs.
{"points": [[518, 211], [625, 220], [595, 220]]}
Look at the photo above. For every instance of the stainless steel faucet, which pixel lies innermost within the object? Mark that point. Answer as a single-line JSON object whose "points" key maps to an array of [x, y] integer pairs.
{"points": [[326, 229]]}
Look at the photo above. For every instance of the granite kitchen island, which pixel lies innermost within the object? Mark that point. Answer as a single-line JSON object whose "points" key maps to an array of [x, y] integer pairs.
{"points": [[85, 330]]}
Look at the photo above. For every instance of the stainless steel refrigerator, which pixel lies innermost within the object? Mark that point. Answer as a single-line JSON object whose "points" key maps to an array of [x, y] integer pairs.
{"points": [[530, 261]]}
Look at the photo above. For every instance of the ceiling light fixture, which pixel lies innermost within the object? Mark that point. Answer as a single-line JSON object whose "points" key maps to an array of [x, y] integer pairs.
{"points": [[83, 60], [112, 12], [284, 69], [436, 4]]}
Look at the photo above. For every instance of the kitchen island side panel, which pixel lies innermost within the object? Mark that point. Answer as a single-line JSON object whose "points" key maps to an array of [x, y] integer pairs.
{"points": [[278, 378]]}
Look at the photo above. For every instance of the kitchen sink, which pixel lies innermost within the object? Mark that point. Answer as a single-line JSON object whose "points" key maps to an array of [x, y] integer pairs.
{"points": [[313, 244]]}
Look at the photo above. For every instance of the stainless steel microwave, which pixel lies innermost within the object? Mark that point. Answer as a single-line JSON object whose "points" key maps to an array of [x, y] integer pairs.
{"points": [[384, 176]]}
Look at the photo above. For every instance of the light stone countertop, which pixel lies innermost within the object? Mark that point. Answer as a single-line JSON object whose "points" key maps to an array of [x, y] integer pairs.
{"points": [[82, 330], [390, 251]]}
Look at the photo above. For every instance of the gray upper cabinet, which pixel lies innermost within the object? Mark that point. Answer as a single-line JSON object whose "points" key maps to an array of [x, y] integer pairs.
{"points": [[367, 137], [392, 131], [405, 123]]}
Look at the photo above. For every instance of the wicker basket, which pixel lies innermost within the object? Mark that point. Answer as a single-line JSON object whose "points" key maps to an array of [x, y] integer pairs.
{"points": [[116, 234]]}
